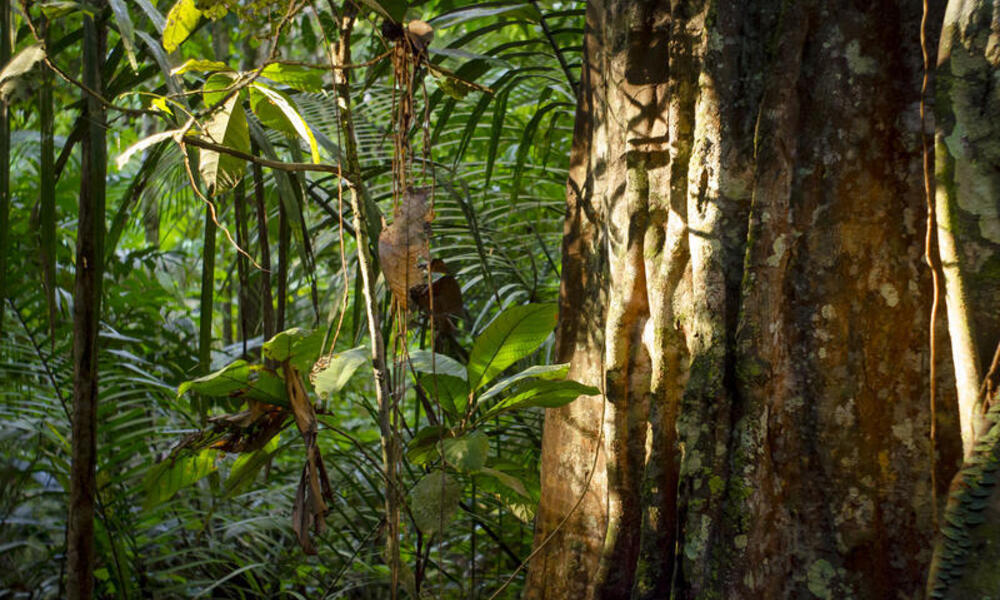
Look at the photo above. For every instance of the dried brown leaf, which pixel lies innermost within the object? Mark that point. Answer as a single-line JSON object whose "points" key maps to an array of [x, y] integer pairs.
{"points": [[402, 246], [446, 296], [309, 509]]}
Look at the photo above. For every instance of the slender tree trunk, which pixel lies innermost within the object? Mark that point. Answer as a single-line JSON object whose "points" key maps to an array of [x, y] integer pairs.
{"points": [[207, 300], [5, 49], [968, 206], [260, 207], [47, 191], [742, 274], [86, 320]]}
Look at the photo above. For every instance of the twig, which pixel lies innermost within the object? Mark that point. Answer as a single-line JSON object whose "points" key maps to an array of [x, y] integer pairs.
{"points": [[291, 167], [933, 261], [335, 67]]}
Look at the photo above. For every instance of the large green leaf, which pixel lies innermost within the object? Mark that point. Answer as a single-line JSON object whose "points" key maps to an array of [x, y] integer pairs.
{"points": [[422, 447], [246, 467], [425, 361], [299, 77], [300, 346], [201, 65], [21, 63], [466, 453], [271, 106], [450, 392], [512, 491], [434, 500], [143, 144], [550, 372], [539, 392], [227, 126], [239, 379], [163, 480], [181, 21], [514, 334], [342, 366]]}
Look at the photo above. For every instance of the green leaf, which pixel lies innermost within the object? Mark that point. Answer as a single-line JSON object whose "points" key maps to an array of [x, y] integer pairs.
{"points": [[217, 87], [227, 126], [467, 453], [163, 480], [269, 114], [55, 9], [287, 108], [142, 144], [549, 372], [524, 11], [21, 63], [514, 334], [434, 501], [200, 65], [246, 467], [525, 145], [511, 490], [470, 128], [451, 392], [508, 480], [125, 30], [300, 346], [393, 9], [181, 21], [422, 447], [240, 380], [496, 130], [331, 379], [299, 77], [425, 361], [154, 15], [547, 394], [456, 88]]}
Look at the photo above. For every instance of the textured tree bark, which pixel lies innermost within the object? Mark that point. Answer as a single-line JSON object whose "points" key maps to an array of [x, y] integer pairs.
{"points": [[86, 320], [742, 275], [968, 206]]}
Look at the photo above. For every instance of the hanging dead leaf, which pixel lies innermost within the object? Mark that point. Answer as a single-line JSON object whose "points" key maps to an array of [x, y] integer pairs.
{"points": [[419, 34], [309, 510], [402, 246], [439, 266], [445, 294], [245, 431]]}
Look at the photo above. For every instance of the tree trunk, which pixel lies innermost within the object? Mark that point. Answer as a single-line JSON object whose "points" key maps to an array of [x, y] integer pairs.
{"points": [[742, 273], [968, 188], [968, 206], [86, 321]]}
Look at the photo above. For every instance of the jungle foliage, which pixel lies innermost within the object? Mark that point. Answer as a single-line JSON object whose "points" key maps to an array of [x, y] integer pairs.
{"points": [[282, 177]]}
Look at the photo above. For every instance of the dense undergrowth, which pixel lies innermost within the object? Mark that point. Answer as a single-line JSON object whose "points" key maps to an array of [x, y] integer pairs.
{"points": [[183, 518]]}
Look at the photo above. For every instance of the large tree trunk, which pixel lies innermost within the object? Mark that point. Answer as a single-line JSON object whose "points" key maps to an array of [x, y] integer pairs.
{"points": [[742, 274]]}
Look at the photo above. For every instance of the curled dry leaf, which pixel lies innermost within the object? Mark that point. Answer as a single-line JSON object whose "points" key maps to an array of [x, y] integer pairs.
{"points": [[309, 508], [402, 246], [445, 294], [419, 34]]}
